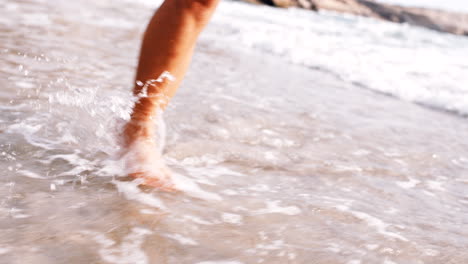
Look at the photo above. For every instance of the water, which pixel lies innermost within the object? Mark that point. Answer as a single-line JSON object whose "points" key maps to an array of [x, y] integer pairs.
{"points": [[283, 158], [411, 63]]}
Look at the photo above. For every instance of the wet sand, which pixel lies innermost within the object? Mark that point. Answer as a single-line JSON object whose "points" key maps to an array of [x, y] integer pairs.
{"points": [[285, 164]]}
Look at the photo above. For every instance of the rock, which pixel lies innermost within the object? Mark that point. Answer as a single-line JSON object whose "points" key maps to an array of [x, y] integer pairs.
{"points": [[307, 4], [284, 3], [278, 3]]}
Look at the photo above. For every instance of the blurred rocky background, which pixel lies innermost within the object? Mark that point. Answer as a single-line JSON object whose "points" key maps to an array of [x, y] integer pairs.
{"points": [[440, 20]]}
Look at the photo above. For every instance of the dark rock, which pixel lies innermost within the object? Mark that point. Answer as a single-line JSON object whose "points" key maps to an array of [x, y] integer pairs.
{"points": [[279, 3]]}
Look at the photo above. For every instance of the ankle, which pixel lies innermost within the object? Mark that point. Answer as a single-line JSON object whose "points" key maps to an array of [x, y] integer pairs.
{"points": [[144, 110], [137, 130]]}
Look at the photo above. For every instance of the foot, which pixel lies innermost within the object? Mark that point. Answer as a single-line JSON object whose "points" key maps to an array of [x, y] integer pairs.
{"points": [[143, 155]]}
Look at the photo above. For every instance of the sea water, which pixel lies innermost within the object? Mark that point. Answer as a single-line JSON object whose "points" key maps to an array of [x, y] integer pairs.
{"points": [[297, 137]]}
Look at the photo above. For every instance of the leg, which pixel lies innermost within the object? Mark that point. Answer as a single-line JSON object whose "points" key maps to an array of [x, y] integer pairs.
{"points": [[168, 46]]}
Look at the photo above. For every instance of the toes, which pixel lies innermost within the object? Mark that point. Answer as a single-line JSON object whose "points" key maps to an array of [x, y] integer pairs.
{"points": [[161, 183]]}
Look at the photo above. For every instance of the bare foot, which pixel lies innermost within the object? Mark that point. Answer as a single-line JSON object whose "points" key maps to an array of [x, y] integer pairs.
{"points": [[143, 155]]}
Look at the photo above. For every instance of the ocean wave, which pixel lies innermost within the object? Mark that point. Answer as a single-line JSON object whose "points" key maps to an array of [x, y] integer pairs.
{"points": [[410, 63]]}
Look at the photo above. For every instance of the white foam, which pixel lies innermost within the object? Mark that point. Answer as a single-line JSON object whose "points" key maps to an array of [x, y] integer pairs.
{"points": [[274, 245], [259, 188], [131, 191], [230, 218], [111, 167], [203, 160], [387, 250], [220, 262], [435, 185], [29, 131], [148, 211], [25, 84], [17, 213], [387, 261], [197, 220], [428, 193], [209, 171], [4, 250], [292, 255], [333, 247], [431, 252], [372, 246], [78, 205], [391, 210], [229, 192], [129, 251], [30, 174], [361, 152], [180, 182], [182, 239], [411, 183], [189, 187], [268, 155], [372, 221], [79, 164], [274, 207], [411, 63], [461, 161], [347, 168]]}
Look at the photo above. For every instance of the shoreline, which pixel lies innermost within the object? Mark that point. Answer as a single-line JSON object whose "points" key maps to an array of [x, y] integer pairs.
{"points": [[435, 19]]}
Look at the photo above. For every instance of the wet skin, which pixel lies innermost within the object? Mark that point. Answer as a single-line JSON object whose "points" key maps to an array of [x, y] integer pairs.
{"points": [[167, 47]]}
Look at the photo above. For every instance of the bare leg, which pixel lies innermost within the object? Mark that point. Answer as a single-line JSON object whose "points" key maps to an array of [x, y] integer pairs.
{"points": [[168, 46]]}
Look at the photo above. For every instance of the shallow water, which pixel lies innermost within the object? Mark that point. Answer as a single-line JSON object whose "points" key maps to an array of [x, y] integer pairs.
{"points": [[282, 163]]}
